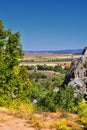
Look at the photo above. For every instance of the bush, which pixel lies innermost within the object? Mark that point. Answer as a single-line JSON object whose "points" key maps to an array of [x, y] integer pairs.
{"points": [[61, 125], [5, 100], [32, 67], [58, 68], [57, 80], [21, 108], [82, 109], [36, 123], [36, 76], [66, 98], [82, 112]]}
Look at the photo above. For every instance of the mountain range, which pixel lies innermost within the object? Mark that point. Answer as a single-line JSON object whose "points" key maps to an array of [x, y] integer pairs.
{"points": [[57, 51]]}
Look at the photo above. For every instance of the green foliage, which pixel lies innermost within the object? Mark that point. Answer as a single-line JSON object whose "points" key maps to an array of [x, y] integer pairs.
{"points": [[61, 125], [79, 97], [14, 79], [36, 76], [44, 94], [82, 112], [32, 67], [5, 100], [16, 85], [83, 121], [82, 109], [44, 67], [66, 98], [10, 51], [49, 99], [57, 80], [21, 108], [58, 68]]}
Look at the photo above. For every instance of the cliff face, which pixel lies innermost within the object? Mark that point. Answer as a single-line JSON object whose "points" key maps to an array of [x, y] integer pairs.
{"points": [[77, 77]]}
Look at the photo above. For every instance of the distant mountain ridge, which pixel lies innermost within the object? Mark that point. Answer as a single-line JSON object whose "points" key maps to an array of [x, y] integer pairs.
{"points": [[57, 51]]}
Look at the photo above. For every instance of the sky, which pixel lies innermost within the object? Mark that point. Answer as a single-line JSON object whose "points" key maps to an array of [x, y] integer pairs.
{"points": [[47, 24]]}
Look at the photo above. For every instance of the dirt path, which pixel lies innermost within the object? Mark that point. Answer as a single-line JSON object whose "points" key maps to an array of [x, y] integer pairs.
{"points": [[41, 121], [8, 122]]}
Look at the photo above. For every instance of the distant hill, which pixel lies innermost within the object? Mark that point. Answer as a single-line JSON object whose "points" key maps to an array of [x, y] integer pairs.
{"points": [[57, 51]]}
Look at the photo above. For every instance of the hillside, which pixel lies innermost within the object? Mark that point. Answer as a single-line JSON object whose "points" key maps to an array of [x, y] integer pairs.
{"points": [[41, 121]]}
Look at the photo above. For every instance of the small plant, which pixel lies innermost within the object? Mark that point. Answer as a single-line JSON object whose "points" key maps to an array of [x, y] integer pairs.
{"points": [[36, 123], [61, 125], [83, 121], [2, 120], [82, 111]]}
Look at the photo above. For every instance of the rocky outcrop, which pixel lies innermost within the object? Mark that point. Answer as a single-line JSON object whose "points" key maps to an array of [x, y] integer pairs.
{"points": [[77, 77]]}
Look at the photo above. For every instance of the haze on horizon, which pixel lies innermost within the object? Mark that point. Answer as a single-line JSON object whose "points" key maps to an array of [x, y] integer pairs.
{"points": [[47, 24]]}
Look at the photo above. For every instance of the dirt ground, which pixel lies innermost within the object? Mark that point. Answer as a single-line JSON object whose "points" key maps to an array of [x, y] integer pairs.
{"points": [[8, 122], [34, 122]]}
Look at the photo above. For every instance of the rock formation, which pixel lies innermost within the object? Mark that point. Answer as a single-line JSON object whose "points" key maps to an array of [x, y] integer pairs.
{"points": [[77, 77]]}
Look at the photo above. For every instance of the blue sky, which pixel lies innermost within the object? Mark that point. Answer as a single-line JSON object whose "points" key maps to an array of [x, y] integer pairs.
{"points": [[47, 24]]}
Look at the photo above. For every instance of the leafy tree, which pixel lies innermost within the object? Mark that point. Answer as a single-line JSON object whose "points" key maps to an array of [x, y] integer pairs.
{"points": [[44, 67], [58, 68], [12, 77], [57, 80], [66, 98], [32, 67], [36, 76]]}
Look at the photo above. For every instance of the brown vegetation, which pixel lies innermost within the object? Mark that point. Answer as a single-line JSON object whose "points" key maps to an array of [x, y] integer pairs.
{"points": [[59, 120]]}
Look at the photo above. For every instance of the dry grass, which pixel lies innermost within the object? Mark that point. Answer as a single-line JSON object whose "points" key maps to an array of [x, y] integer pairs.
{"points": [[18, 108], [61, 120], [21, 109], [4, 110]]}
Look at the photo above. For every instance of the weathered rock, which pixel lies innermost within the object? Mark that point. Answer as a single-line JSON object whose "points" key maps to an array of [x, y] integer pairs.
{"points": [[77, 77]]}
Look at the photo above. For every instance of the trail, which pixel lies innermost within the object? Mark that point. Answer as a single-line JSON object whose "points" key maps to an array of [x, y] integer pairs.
{"points": [[8, 122]]}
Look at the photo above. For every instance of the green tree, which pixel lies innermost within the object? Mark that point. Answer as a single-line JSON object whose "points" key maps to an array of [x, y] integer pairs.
{"points": [[58, 68], [57, 80], [12, 76], [66, 98]]}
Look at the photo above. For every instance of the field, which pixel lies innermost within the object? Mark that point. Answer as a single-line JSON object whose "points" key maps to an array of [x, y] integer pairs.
{"points": [[50, 59]]}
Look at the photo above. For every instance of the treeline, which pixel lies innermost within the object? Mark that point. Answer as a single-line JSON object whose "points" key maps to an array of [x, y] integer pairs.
{"points": [[45, 60], [56, 68]]}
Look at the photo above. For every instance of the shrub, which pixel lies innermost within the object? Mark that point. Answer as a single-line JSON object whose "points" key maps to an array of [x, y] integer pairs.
{"points": [[58, 68], [57, 80], [21, 108], [61, 125], [66, 98], [82, 111], [36, 123], [5, 100]]}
